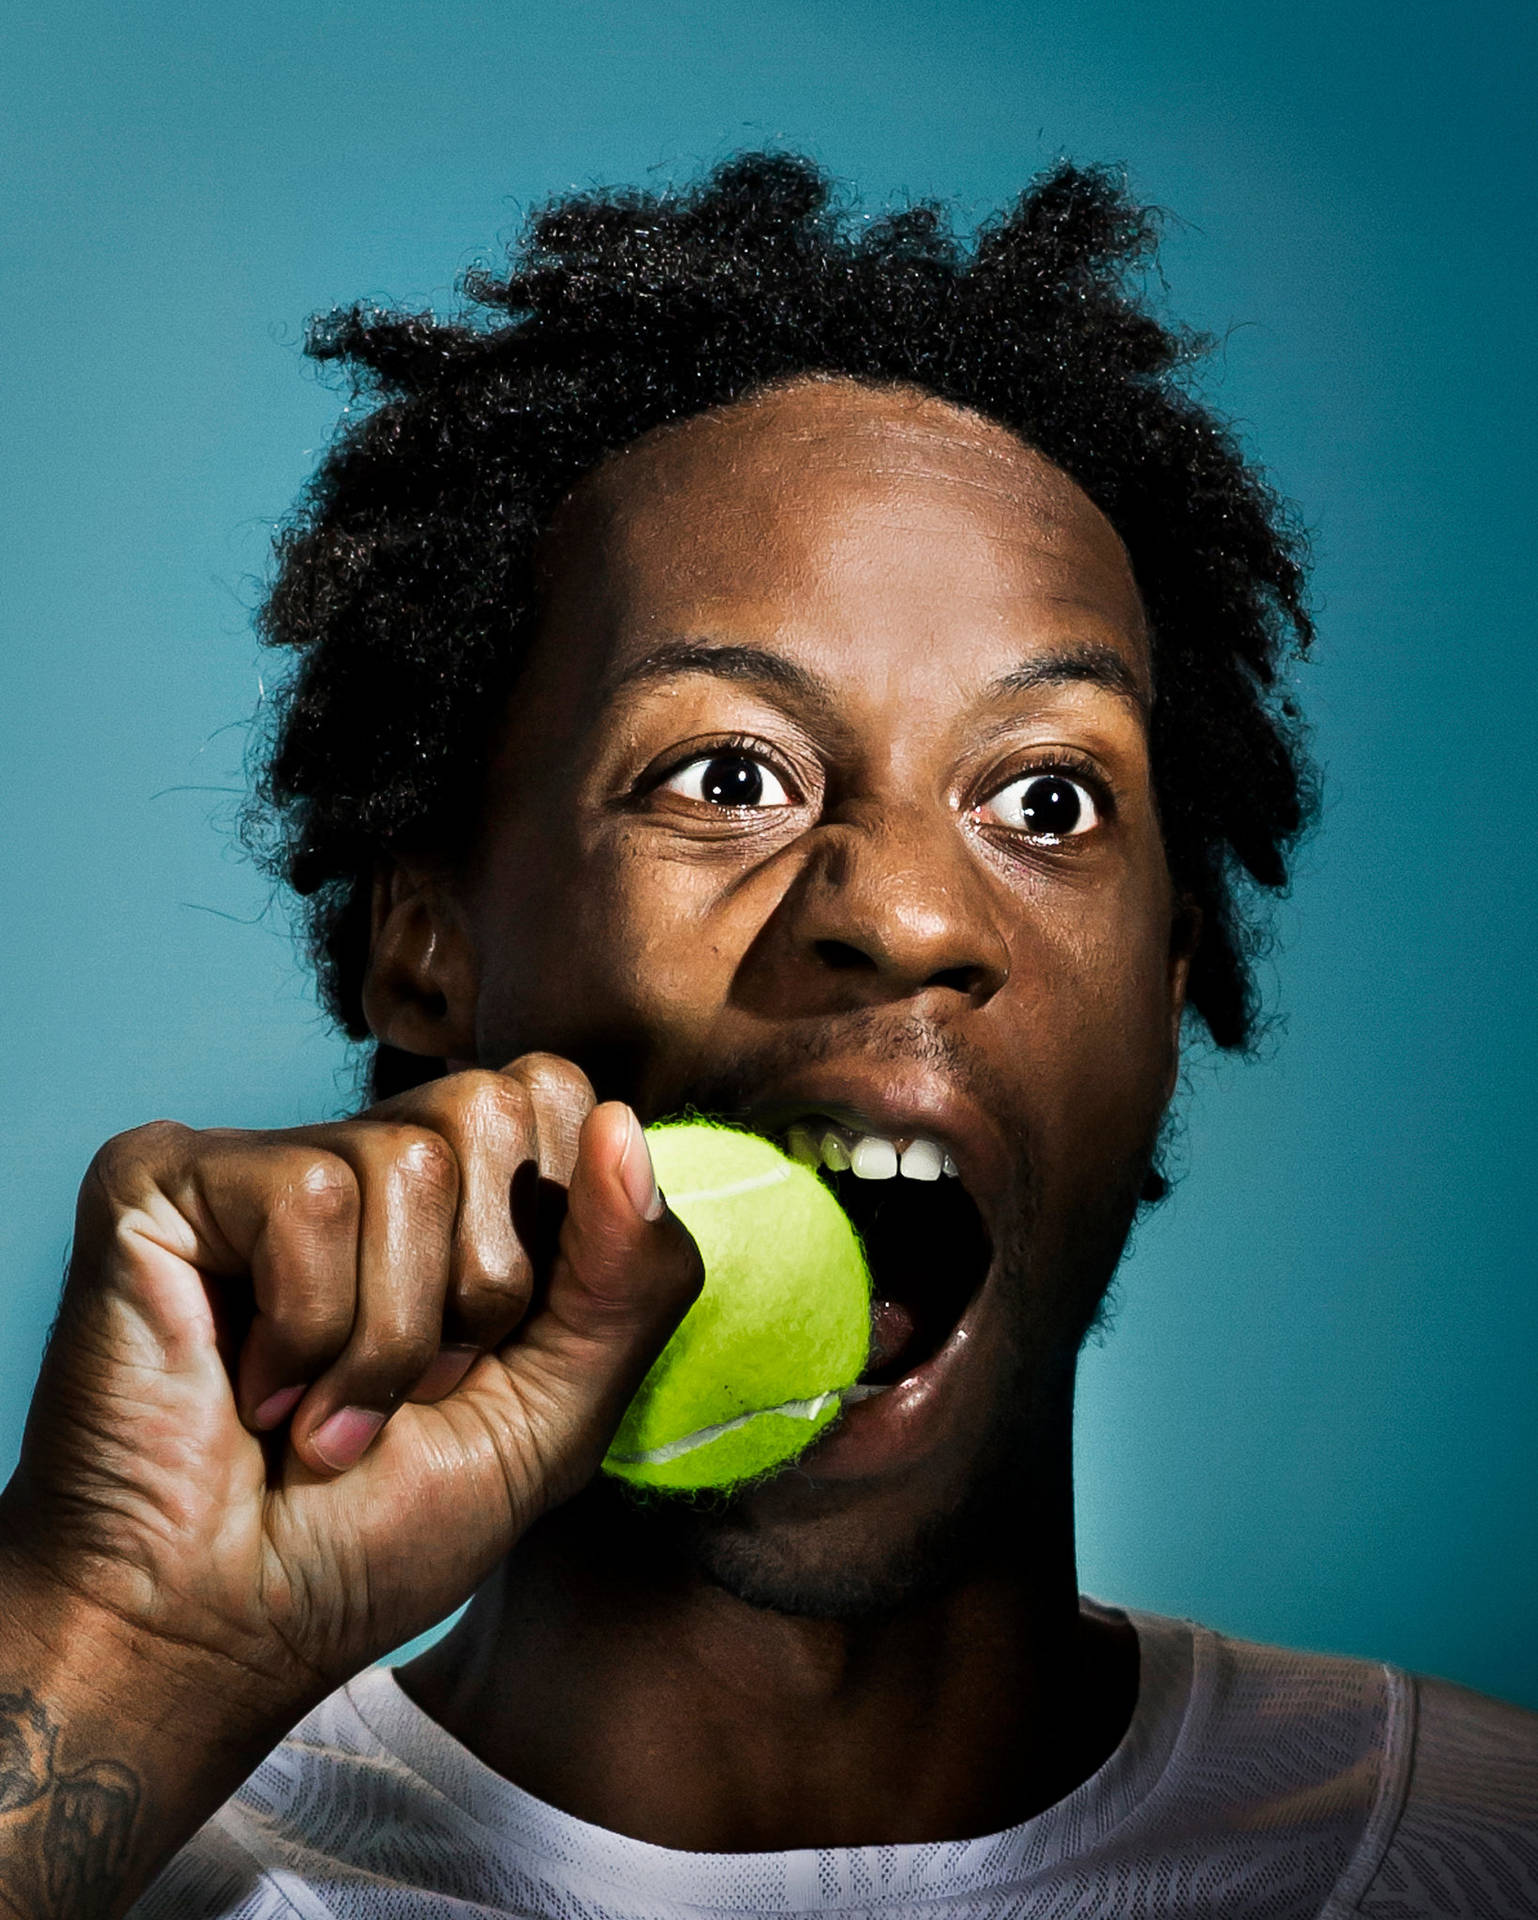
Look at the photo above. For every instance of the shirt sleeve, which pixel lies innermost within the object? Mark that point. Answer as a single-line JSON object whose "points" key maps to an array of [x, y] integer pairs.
{"points": [[1466, 1843], [215, 1878]]}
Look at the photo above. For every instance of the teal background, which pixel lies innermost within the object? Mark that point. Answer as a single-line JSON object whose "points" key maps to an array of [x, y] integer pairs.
{"points": [[1316, 1418]]}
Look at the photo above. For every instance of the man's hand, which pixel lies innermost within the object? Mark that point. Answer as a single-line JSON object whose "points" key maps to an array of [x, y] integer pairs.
{"points": [[307, 1387]]}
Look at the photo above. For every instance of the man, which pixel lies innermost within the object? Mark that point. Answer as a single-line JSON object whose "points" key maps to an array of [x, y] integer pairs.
{"points": [[826, 682]]}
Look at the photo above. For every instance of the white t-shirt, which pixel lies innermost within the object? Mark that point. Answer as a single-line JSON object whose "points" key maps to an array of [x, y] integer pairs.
{"points": [[1252, 1784]]}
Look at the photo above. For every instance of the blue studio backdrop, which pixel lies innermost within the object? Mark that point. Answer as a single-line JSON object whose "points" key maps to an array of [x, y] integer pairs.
{"points": [[1315, 1418]]}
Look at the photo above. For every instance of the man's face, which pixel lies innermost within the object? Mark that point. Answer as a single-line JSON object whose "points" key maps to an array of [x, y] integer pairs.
{"points": [[825, 801]]}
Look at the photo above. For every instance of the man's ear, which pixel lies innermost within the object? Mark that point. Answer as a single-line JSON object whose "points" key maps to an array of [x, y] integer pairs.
{"points": [[1185, 937], [419, 989]]}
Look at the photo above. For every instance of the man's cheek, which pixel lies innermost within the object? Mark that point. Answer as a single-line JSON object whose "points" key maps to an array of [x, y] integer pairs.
{"points": [[1096, 1090], [652, 951]]}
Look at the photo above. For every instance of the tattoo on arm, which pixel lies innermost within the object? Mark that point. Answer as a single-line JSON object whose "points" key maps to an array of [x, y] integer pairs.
{"points": [[64, 1837], [86, 1839]]}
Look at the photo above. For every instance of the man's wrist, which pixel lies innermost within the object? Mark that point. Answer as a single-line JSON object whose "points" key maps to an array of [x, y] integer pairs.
{"points": [[116, 1743], [75, 1626]]}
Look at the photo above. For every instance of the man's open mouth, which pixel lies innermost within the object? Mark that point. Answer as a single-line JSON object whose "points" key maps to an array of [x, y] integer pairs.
{"points": [[925, 1241]]}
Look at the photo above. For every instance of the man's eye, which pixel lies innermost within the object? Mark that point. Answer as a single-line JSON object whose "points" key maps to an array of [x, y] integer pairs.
{"points": [[1047, 806], [728, 780]]}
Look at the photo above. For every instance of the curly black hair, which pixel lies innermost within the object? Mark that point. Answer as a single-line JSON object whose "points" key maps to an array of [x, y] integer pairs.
{"points": [[405, 583]]}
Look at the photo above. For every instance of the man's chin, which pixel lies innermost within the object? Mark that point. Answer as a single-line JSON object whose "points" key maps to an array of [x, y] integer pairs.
{"points": [[839, 1551], [821, 1574]]}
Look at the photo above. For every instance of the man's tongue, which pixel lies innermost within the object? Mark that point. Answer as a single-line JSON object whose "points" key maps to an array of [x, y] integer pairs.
{"points": [[892, 1328]]}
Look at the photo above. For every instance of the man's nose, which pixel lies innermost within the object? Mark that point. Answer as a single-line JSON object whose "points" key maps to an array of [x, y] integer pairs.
{"points": [[886, 906]]}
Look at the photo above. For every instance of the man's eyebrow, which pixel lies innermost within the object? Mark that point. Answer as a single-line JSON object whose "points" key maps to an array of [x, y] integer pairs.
{"points": [[1100, 666], [754, 665], [1091, 662]]}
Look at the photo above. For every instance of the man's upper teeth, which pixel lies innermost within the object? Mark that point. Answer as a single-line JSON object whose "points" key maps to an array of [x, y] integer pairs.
{"points": [[868, 1156], [872, 1158], [923, 1160]]}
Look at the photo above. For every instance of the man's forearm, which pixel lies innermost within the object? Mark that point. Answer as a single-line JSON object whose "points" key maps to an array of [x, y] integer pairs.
{"points": [[114, 1749]]}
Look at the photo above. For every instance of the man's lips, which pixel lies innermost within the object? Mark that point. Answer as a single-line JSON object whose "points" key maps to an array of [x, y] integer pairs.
{"points": [[884, 1432]]}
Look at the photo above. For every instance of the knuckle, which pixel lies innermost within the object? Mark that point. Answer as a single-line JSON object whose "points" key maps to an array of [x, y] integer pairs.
{"points": [[492, 1106], [561, 1097], [484, 1294], [324, 1190], [126, 1153], [154, 1134], [393, 1354], [549, 1077], [411, 1169], [427, 1160]]}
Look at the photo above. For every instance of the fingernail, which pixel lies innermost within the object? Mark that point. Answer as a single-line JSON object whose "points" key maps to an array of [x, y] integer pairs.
{"points": [[340, 1441], [444, 1371], [636, 1175], [277, 1406]]}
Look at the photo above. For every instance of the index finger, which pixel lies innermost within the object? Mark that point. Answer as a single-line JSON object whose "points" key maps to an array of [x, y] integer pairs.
{"points": [[561, 1097]]}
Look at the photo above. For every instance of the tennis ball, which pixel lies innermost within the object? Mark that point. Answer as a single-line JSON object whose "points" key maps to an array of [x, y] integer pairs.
{"points": [[755, 1370]]}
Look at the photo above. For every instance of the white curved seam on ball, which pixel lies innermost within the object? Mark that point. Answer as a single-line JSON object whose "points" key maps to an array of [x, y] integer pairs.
{"points": [[730, 1192], [702, 1436]]}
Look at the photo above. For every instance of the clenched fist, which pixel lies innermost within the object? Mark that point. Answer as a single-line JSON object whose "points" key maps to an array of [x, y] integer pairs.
{"points": [[307, 1387]]}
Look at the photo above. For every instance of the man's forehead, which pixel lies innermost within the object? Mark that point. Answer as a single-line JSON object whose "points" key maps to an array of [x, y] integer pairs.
{"points": [[823, 500]]}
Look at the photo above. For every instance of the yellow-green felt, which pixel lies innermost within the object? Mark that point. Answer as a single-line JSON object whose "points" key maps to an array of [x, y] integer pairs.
{"points": [[781, 1326]]}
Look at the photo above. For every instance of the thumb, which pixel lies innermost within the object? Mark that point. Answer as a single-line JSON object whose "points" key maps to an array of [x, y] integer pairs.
{"points": [[625, 1273]]}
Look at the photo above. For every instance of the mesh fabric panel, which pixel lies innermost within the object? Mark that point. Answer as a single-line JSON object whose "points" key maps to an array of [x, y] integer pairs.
{"points": [[1252, 1784]]}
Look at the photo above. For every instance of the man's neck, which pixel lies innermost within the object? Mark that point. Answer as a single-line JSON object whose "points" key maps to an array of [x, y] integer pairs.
{"points": [[674, 1713]]}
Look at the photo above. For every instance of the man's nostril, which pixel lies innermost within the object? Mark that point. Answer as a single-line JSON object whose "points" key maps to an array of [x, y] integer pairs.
{"points": [[840, 957], [966, 980]]}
